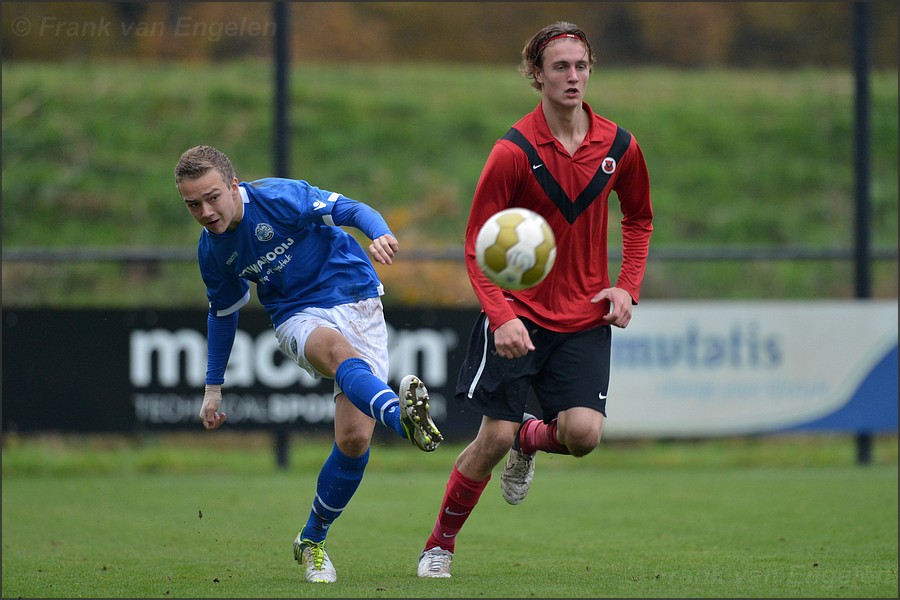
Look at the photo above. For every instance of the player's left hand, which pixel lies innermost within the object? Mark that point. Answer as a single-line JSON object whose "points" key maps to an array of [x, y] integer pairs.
{"points": [[383, 249], [620, 303]]}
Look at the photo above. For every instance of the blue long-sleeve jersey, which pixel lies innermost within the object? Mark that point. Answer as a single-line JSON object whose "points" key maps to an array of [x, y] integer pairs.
{"points": [[290, 244]]}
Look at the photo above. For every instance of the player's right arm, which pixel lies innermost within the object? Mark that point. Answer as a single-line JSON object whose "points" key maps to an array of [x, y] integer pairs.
{"points": [[219, 340], [511, 339], [227, 294], [497, 186]]}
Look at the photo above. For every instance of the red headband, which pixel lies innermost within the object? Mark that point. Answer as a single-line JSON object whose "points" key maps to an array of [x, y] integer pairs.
{"points": [[557, 37]]}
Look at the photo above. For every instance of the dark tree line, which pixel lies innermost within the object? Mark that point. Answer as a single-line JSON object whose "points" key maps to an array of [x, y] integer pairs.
{"points": [[678, 34]]}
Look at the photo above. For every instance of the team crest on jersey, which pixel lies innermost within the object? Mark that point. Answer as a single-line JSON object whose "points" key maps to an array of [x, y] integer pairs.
{"points": [[264, 232], [608, 165]]}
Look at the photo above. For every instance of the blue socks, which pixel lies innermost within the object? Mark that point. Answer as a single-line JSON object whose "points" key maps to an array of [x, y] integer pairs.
{"points": [[338, 480], [341, 475], [369, 394]]}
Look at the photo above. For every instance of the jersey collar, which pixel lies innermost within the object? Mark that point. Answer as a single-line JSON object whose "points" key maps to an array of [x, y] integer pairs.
{"points": [[542, 134]]}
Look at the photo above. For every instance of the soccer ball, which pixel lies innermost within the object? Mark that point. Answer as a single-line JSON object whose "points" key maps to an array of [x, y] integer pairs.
{"points": [[515, 248]]}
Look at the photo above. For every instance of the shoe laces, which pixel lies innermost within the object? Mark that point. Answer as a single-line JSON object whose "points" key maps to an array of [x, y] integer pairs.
{"points": [[523, 463], [317, 552], [438, 560]]}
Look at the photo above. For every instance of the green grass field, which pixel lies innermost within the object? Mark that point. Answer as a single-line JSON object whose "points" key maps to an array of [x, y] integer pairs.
{"points": [[202, 515]]}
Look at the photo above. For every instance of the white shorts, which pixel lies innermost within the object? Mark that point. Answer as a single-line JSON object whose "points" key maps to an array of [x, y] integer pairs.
{"points": [[362, 323]]}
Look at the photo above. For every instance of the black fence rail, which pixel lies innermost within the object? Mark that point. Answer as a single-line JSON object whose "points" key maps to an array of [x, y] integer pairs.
{"points": [[687, 254]]}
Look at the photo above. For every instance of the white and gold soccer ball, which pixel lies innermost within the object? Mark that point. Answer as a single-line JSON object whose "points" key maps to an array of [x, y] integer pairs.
{"points": [[515, 248]]}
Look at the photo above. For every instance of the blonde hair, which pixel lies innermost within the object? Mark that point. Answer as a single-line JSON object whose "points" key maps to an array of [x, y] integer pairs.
{"points": [[200, 160]]}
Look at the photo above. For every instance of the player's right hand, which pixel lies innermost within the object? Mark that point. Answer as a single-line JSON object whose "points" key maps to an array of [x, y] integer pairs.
{"points": [[209, 412], [511, 339]]}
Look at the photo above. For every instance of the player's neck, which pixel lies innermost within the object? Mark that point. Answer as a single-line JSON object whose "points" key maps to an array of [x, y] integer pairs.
{"points": [[238, 212], [569, 125]]}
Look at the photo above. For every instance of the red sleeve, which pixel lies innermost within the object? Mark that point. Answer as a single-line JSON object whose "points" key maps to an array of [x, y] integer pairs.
{"points": [[498, 183], [633, 190]]}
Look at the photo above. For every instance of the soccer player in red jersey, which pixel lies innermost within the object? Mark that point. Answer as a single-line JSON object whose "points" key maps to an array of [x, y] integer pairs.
{"points": [[562, 160]]}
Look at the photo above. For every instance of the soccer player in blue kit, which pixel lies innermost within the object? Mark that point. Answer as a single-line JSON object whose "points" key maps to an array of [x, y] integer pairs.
{"points": [[323, 297]]}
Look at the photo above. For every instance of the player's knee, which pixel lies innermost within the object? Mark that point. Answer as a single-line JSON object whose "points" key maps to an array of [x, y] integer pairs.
{"points": [[354, 442], [583, 442], [495, 446]]}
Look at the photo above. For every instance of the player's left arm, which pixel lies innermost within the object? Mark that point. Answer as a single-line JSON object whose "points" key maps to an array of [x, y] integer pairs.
{"points": [[620, 303], [356, 214], [633, 190]]}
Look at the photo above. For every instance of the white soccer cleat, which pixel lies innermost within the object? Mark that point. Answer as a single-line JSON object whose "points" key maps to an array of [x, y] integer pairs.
{"points": [[518, 473], [435, 562], [312, 557]]}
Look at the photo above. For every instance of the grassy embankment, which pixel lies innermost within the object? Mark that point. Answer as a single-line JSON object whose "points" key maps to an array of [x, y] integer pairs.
{"points": [[756, 158]]}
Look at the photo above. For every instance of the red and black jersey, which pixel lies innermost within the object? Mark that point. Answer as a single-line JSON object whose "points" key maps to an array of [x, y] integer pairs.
{"points": [[529, 168]]}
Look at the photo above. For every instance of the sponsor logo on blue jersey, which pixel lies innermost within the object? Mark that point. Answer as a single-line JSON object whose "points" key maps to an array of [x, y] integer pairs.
{"points": [[275, 257]]}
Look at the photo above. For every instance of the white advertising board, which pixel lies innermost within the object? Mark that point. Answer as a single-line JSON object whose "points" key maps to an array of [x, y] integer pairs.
{"points": [[685, 369]]}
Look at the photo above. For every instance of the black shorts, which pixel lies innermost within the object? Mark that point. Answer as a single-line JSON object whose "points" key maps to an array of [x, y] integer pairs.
{"points": [[565, 370]]}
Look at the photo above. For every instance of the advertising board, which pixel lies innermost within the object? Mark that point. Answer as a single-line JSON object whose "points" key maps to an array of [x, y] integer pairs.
{"points": [[681, 369]]}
